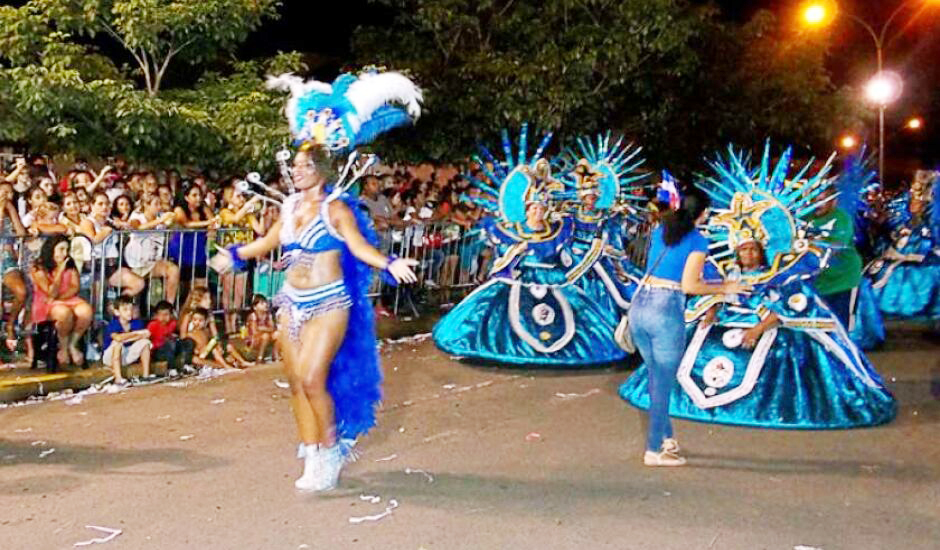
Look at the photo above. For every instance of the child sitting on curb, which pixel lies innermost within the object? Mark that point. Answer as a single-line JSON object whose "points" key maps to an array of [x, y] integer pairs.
{"points": [[126, 341], [166, 346], [207, 346]]}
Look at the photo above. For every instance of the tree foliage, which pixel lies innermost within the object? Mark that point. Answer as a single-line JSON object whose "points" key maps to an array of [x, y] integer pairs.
{"points": [[59, 93], [669, 74]]}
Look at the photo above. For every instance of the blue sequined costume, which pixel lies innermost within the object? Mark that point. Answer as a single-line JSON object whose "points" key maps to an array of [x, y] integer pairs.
{"points": [[804, 371], [554, 297], [868, 327], [804, 374], [906, 278], [527, 313], [856, 184], [337, 117], [355, 377], [596, 235]]}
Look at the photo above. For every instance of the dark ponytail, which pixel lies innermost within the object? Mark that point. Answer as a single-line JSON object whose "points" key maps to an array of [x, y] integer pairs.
{"points": [[679, 223]]}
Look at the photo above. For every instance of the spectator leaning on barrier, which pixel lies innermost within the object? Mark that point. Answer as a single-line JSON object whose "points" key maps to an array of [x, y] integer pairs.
{"points": [[97, 227], [145, 251], [13, 279], [189, 249], [380, 208], [239, 226]]}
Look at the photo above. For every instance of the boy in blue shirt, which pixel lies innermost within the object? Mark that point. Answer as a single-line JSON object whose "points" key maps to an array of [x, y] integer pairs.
{"points": [[126, 340]]}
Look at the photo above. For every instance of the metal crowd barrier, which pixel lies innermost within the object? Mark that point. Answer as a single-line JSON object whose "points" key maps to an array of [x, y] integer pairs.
{"points": [[451, 262]]}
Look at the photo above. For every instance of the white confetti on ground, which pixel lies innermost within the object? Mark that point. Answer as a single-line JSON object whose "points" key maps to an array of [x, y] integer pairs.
{"points": [[392, 504], [427, 476], [594, 391], [392, 456], [110, 534]]}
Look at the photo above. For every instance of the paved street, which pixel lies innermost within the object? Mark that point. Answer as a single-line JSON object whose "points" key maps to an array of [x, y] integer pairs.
{"points": [[475, 458]]}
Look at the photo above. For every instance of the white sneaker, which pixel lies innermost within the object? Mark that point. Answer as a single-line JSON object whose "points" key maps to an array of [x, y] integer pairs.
{"points": [[671, 445], [662, 458]]}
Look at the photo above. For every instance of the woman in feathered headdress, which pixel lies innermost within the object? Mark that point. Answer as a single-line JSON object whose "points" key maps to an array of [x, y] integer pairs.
{"points": [[326, 330]]}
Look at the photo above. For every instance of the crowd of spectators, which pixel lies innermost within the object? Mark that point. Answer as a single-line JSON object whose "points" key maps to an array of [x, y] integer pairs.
{"points": [[76, 244], [74, 241]]}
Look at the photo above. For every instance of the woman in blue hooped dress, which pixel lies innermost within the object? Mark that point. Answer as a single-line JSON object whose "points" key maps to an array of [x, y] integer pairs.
{"points": [[906, 278], [528, 312], [777, 358], [607, 276], [598, 238]]}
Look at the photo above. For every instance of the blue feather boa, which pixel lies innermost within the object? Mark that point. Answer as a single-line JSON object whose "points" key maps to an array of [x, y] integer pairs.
{"points": [[355, 375]]}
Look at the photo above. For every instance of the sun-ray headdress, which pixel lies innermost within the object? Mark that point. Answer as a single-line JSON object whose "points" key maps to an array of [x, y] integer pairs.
{"points": [[761, 203], [611, 169], [515, 181], [855, 183]]}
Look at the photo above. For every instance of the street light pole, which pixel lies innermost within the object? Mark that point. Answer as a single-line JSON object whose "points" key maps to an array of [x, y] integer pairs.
{"points": [[879, 39]]}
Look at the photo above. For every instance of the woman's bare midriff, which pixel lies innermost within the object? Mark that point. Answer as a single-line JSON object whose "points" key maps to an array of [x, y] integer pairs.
{"points": [[663, 282], [324, 270]]}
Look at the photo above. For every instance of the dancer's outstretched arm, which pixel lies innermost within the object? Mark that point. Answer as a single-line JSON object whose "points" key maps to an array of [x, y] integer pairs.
{"points": [[260, 247], [344, 221]]}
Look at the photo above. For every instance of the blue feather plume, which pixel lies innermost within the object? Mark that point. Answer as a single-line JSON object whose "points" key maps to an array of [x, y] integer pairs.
{"points": [[384, 118]]}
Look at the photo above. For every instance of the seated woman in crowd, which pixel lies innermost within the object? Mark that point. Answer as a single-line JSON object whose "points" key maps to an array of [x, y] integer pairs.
{"points": [[71, 215], [84, 201], [29, 202], [121, 209], [96, 226], [55, 297]]}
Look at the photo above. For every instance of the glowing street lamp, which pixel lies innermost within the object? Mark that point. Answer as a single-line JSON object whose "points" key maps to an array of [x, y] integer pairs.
{"points": [[884, 88], [848, 142], [915, 123], [815, 14], [881, 91]]}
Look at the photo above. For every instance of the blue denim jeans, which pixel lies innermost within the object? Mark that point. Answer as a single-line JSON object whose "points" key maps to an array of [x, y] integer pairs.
{"points": [[657, 324]]}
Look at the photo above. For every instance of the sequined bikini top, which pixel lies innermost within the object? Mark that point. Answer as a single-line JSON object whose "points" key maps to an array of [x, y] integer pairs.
{"points": [[315, 237]]}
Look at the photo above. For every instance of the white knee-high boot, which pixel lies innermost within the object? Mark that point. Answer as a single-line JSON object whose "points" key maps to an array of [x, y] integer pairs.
{"points": [[332, 464], [313, 469]]}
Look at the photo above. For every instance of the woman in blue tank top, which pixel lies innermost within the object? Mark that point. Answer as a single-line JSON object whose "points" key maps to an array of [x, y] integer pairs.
{"points": [[657, 314]]}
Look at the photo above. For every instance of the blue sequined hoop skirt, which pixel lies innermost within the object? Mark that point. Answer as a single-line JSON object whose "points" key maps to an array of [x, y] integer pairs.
{"points": [[868, 326], [907, 289], [531, 321], [804, 382]]}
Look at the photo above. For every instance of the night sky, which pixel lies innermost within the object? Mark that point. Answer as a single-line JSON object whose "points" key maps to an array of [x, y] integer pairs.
{"points": [[851, 60]]}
